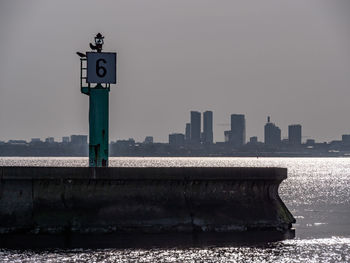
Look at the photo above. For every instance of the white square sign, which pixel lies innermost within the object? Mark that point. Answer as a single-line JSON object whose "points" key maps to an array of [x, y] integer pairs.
{"points": [[101, 67]]}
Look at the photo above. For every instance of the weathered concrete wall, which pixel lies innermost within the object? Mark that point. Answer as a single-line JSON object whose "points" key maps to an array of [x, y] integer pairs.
{"points": [[141, 200]]}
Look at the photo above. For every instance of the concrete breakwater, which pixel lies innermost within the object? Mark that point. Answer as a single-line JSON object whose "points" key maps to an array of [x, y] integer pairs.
{"points": [[140, 201]]}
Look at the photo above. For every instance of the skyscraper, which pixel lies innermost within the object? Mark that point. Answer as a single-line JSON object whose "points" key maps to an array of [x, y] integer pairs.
{"points": [[345, 138], [294, 134], [195, 127], [188, 132], [272, 134], [237, 129], [208, 127]]}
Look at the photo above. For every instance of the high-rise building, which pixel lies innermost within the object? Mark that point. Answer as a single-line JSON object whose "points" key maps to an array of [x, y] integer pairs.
{"points": [[237, 130], [188, 132], [345, 139], [208, 127], [272, 134], [195, 127], [294, 134]]}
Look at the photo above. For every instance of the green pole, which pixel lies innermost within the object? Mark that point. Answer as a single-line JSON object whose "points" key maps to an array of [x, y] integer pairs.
{"points": [[98, 125]]}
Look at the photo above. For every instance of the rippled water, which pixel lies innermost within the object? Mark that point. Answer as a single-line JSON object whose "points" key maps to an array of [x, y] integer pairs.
{"points": [[317, 192]]}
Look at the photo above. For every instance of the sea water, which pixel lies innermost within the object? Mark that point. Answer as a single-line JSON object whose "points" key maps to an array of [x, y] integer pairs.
{"points": [[317, 192]]}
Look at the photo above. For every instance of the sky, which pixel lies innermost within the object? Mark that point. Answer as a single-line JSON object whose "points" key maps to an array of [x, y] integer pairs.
{"points": [[288, 59]]}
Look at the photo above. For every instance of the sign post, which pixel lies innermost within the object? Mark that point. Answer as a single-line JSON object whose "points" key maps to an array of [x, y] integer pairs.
{"points": [[100, 69]]}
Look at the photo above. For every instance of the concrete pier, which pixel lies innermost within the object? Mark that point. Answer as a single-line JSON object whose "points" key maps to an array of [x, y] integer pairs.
{"points": [[189, 204]]}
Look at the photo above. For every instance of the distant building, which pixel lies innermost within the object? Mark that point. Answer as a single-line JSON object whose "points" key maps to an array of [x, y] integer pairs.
{"points": [[35, 140], [228, 135], [195, 127], [294, 134], [125, 143], [272, 134], [253, 140], [335, 145], [345, 139], [50, 140], [208, 127], [310, 142], [188, 132], [78, 139], [237, 130], [176, 139], [122, 147], [65, 139], [148, 140], [17, 142], [285, 141]]}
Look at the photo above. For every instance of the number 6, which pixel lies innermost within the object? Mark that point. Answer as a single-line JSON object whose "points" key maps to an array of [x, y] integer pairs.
{"points": [[100, 70]]}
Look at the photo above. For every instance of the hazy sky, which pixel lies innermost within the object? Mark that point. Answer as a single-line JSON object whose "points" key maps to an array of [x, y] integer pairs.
{"points": [[289, 59]]}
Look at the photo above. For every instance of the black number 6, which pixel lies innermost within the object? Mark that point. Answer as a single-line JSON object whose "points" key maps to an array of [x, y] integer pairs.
{"points": [[100, 70]]}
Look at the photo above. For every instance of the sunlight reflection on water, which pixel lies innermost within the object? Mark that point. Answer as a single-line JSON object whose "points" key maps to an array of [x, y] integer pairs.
{"points": [[317, 193], [312, 250]]}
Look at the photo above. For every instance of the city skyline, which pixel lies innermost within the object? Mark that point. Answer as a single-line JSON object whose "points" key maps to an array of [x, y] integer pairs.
{"points": [[195, 141], [203, 121], [290, 61]]}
